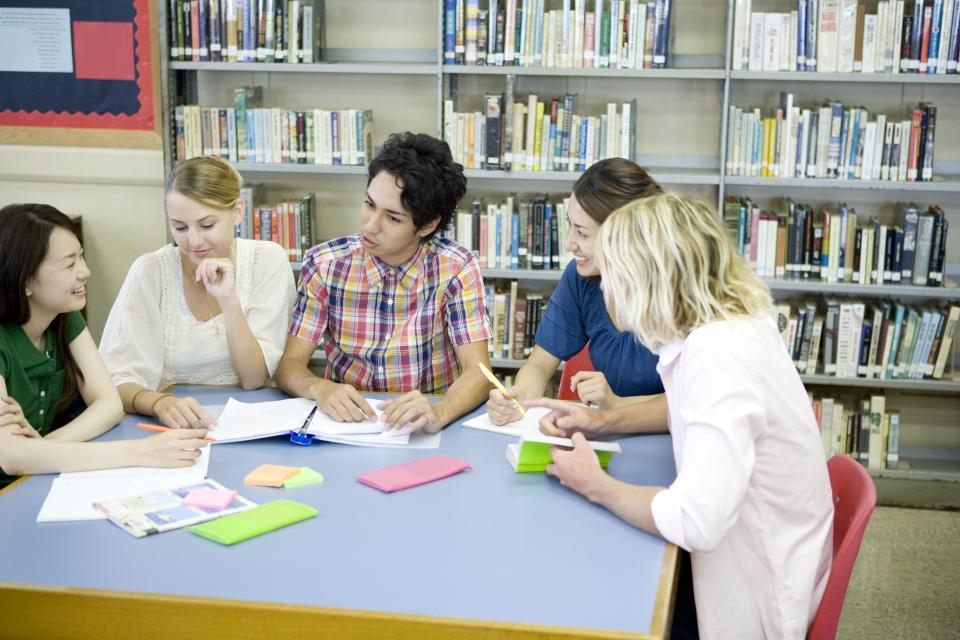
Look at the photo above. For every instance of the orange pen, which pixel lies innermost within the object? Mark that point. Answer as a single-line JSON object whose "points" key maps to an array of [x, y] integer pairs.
{"points": [[156, 427]]}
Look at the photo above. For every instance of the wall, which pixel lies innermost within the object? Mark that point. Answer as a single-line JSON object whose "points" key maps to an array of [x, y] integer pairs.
{"points": [[117, 191]]}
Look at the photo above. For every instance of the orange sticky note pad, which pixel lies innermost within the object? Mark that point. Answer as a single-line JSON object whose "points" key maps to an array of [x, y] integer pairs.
{"points": [[270, 475]]}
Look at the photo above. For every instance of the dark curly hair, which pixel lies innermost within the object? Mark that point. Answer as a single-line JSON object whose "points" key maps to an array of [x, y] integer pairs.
{"points": [[431, 183]]}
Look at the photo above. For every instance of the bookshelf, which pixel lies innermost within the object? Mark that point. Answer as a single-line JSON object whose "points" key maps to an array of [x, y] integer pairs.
{"points": [[697, 89]]}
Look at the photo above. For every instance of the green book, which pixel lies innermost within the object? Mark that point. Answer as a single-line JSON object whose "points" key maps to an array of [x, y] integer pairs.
{"points": [[255, 522], [604, 54], [532, 452]]}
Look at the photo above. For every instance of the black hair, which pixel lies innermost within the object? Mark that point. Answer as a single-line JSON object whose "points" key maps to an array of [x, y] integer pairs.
{"points": [[25, 231], [431, 182]]}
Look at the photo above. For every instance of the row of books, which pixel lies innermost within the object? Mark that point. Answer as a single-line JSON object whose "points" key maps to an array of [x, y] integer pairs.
{"points": [[289, 222], [840, 36], [509, 233], [864, 429], [315, 136], [514, 318], [830, 141], [290, 31], [537, 135], [615, 34], [829, 246], [854, 339]]}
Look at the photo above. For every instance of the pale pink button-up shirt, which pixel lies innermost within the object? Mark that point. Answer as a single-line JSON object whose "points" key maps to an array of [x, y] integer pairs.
{"points": [[752, 500]]}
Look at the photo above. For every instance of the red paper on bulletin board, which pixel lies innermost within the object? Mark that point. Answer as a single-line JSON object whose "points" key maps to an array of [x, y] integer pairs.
{"points": [[81, 64]]}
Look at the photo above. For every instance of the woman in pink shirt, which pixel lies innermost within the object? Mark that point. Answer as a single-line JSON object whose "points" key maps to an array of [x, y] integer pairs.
{"points": [[751, 501]]}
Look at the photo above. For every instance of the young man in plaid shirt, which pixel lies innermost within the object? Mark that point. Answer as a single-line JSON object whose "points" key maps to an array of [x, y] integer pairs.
{"points": [[398, 308]]}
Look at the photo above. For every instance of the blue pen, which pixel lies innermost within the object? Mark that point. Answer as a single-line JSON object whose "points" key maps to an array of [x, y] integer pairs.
{"points": [[301, 436]]}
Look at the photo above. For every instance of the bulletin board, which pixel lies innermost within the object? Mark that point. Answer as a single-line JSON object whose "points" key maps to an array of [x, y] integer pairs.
{"points": [[79, 73]]}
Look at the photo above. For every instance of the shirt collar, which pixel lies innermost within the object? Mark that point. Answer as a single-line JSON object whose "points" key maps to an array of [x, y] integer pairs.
{"points": [[28, 355], [668, 353], [406, 274]]}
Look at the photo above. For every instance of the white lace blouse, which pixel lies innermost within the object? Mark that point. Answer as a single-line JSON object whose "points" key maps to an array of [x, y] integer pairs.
{"points": [[152, 339]]}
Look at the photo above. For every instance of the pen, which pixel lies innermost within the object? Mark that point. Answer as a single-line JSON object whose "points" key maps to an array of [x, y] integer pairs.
{"points": [[156, 427], [306, 423], [493, 380]]}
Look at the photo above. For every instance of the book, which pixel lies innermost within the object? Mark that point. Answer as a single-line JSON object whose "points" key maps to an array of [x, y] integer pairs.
{"points": [[153, 512], [532, 452]]}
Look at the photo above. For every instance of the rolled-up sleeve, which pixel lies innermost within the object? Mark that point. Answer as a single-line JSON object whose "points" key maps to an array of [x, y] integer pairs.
{"points": [[132, 341], [723, 419], [464, 306]]}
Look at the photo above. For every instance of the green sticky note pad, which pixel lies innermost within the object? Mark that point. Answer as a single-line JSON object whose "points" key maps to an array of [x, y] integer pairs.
{"points": [[528, 456], [305, 477], [254, 522]]}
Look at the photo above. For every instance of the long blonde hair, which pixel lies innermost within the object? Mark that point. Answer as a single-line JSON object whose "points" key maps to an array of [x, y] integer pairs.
{"points": [[669, 267], [207, 180]]}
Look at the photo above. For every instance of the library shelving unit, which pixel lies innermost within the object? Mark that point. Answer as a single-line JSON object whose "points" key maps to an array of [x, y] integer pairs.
{"points": [[695, 92]]}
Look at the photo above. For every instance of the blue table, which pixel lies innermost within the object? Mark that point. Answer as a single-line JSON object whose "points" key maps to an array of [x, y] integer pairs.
{"points": [[485, 553]]}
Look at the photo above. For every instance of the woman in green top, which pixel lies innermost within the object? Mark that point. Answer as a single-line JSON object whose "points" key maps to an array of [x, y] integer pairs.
{"points": [[49, 362]]}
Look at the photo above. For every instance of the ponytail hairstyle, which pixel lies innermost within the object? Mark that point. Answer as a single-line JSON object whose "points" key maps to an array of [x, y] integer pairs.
{"points": [[208, 181], [25, 231]]}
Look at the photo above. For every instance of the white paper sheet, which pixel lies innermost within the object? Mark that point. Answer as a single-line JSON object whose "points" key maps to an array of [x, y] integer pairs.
{"points": [[530, 423], [72, 495]]}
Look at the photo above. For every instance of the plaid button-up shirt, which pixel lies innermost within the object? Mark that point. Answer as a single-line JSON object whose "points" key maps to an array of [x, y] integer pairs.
{"points": [[391, 329]]}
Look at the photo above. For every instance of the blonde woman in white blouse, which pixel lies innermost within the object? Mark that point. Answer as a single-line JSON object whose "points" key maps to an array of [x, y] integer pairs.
{"points": [[752, 500], [208, 309]]}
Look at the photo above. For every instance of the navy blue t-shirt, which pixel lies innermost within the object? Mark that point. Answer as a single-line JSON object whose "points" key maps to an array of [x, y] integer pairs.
{"points": [[576, 314]]}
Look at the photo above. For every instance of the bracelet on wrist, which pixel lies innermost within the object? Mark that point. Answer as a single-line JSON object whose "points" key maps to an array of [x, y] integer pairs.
{"points": [[133, 400], [158, 399]]}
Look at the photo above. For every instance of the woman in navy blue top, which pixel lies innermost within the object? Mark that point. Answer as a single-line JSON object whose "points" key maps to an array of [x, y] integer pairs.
{"points": [[625, 370]]}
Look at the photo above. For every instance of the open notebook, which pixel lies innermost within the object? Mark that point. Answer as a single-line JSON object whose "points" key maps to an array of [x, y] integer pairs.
{"points": [[72, 495], [251, 420]]}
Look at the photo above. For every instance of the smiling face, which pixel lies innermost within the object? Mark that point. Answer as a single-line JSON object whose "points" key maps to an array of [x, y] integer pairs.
{"points": [[60, 285], [201, 232], [581, 236], [386, 228]]}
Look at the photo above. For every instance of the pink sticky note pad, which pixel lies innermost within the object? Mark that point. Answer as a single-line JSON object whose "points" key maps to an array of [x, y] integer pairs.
{"points": [[411, 474], [210, 498]]}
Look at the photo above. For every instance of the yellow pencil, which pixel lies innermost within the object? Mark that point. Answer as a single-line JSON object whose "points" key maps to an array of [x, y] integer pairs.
{"points": [[493, 380]]}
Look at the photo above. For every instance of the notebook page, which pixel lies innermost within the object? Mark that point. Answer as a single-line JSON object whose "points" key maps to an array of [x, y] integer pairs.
{"points": [[72, 495]]}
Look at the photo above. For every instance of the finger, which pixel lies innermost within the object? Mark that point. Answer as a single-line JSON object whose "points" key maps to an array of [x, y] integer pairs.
{"points": [[547, 403], [412, 414], [351, 407], [361, 402], [548, 427], [579, 440], [551, 470], [581, 376], [176, 418], [208, 420], [332, 409], [392, 413], [419, 424]]}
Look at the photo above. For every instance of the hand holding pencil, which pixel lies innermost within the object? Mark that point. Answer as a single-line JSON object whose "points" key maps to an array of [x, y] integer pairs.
{"points": [[503, 406]]}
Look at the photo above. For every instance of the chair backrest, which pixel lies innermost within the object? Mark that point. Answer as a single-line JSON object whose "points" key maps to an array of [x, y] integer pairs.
{"points": [[854, 499], [579, 362]]}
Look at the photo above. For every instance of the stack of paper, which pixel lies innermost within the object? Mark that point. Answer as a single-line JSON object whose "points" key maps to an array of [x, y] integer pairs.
{"points": [[72, 495], [251, 420]]}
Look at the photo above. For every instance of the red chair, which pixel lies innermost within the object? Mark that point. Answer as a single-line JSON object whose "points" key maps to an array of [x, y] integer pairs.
{"points": [[854, 499], [579, 362]]}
